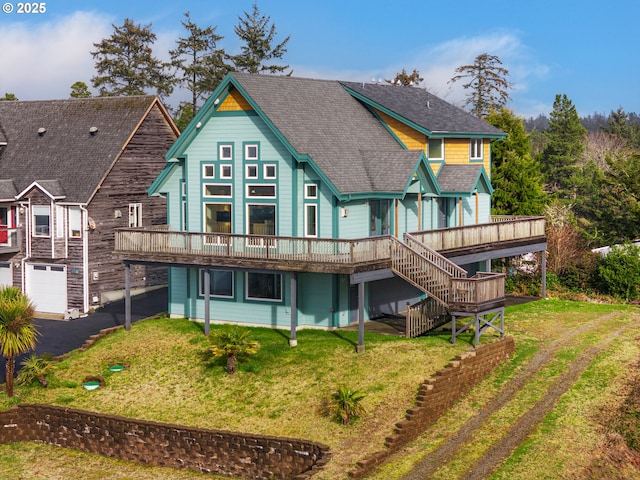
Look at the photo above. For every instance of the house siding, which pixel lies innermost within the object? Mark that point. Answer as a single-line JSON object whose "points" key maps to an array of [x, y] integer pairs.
{"points": [[126, 183]]}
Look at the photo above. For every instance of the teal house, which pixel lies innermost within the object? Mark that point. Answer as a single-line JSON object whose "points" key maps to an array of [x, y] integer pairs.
{"points": [[299, 203]]}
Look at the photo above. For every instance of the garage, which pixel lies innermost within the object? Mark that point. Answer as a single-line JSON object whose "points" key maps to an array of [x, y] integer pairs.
{"points": [[6, 275], [46, 286]]}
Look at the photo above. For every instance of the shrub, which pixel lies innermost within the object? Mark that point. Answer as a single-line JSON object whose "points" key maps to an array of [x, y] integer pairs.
{"points": [[232, 341], [619, 272], [35, 367], [344, 405]]}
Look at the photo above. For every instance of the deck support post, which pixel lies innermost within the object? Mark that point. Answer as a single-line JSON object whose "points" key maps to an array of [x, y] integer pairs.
{"points": [[544, 274], [480, 321], [360, 347], [127, 296], [293, 340], [207, 301]]}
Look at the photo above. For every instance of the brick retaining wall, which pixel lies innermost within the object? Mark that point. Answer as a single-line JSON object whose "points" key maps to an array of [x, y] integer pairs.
{"points": [[438, 394], [159, 444]]}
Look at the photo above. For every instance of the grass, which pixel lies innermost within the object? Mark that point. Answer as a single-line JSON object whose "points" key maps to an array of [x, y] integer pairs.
{"points": [[279, 391]]}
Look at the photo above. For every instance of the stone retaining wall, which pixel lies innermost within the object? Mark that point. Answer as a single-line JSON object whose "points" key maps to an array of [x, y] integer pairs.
{"points": [[438, 394], [159, 444]]}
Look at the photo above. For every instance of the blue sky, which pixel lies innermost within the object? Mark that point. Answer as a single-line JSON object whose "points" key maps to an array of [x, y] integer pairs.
{"points": [[589, 50]]}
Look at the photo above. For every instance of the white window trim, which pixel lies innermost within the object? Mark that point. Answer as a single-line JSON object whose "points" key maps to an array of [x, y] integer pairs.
{"points": [[306, 219], [34, 232], [60, 221], [306, 191], [206, 166], [79, 223], [135, 215], [205, 185], [201, 284], [262, 299], [246, 151], [221, 150], [266, 167], [246, 172], [474, 145], [222, 169], [275, 190]]}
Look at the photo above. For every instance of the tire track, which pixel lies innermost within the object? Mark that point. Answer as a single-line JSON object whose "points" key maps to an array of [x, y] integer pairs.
{"points": [[496, 454]]}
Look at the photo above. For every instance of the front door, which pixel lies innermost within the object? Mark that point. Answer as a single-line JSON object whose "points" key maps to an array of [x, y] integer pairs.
{"points": [[379, 221]]}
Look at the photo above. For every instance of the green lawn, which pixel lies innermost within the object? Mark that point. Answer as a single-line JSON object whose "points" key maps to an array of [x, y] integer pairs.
{"points": [[279, 391]]}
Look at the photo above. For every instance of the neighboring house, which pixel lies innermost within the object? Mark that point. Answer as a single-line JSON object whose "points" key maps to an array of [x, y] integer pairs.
{"points": [[290, 203], [72, 171]]}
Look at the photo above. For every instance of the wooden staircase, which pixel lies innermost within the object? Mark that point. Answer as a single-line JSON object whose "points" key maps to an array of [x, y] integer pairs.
{"points": [[446, 284]]}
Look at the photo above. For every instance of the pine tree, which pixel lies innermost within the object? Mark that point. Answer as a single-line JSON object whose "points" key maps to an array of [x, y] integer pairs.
{"points": [[516, 176], [564, 148], [488, 84], [9, 97], [258, 36], [199, 60], [126, 65], [80, 90]]}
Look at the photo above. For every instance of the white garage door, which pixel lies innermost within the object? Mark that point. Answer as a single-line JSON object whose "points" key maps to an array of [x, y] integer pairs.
{"points": [[47, 287], [5, 274]]}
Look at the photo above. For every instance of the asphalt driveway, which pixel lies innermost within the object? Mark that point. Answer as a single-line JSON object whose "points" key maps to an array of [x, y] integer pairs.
{"points": [[59, 337]]}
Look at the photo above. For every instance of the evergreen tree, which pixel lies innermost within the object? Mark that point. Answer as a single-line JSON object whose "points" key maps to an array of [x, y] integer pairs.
{"points": [[487, 82], [564, 148], [620, 126], [80, 90], [199, 60], [9, 97], [257, 36], [406, 79], [516, 176], [126, 65]]}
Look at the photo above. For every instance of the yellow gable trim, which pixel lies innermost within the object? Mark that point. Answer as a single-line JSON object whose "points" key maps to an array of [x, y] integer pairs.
{"points": [[234, 102], [410, 138]]}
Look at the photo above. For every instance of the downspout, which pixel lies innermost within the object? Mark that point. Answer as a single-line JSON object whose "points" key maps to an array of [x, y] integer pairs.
{"points": [[85, 259], [27, 243]]}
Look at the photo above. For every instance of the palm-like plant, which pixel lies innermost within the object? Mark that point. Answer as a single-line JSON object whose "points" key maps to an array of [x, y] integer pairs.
{"points": [[17, 332], [232, 342], [35, 367], [345, 404]]}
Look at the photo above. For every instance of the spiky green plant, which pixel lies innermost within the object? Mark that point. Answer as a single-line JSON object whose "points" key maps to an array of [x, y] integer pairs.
{"points": [[345, 404], [35, 367], [232, 341], [17, 332]]}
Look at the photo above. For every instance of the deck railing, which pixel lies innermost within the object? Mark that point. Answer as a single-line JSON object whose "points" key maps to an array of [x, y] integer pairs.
{"points": [[259, 247], [501, 229], [482, 288]]}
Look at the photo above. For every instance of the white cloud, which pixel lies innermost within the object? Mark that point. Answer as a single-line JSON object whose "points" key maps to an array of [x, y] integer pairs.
{"points": [[42, 61]]}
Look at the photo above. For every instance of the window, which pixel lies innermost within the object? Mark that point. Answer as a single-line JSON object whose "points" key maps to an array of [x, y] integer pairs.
{"points": [[262, 219], [310, 220], [251, 151], [75, 222], [59, 222], [475, 148], [135, 215], [252, 171], [225, 152], [261, 190], [264, 286], [435, 148], [269, 171], [208, 171], [215, 190], [225, 171], [41, 221], [220, 283], [310, 190], [217, 217]]}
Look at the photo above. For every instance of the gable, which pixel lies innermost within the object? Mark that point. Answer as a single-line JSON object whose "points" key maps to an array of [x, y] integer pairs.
{"points": [[234, 102], [463, 180]]}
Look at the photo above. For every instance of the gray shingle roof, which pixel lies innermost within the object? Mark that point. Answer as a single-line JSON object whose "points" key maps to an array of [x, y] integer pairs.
{"points": [[458, 178], [66, 156], [8, 190], [423, 109], [321, 119]]}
